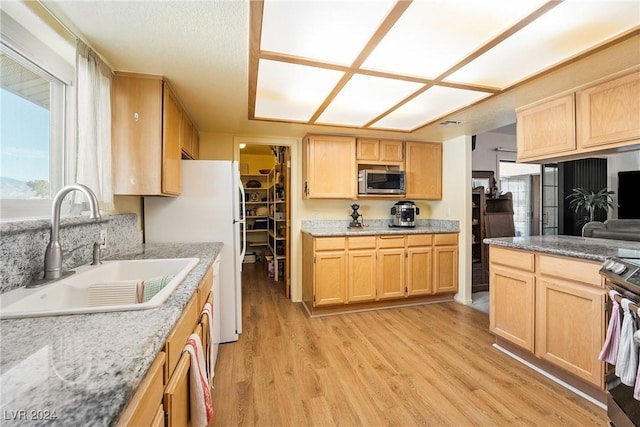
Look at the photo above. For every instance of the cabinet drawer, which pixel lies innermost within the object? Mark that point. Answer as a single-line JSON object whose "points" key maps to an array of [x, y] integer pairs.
{"points": [[330, 243], [419, 239], [144, 405], [393, 241], [178, 337], [445, 239], [512, 258], [571, 269], [362, 242], [204, 288]]}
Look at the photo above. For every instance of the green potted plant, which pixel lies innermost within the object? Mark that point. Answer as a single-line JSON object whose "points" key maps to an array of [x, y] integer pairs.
{"points": [[581, 198]]}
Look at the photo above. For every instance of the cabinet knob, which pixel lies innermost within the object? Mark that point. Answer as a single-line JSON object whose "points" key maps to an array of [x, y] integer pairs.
{"points": [[136, 116]]}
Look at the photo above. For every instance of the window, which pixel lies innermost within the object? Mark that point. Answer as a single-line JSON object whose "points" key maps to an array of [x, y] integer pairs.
{"points": [[35, 114], [30, 169]]}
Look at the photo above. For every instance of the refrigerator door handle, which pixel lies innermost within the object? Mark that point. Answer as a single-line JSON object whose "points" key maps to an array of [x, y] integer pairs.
{"points": [[242, 216]]}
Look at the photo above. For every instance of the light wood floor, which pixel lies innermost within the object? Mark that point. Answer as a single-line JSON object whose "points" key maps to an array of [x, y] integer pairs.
{"points": [[429, 365]]}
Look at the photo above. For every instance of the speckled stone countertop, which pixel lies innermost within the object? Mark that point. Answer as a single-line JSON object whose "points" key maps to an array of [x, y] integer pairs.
{"points": [[375, 227], [87, 367], [577, 247]]}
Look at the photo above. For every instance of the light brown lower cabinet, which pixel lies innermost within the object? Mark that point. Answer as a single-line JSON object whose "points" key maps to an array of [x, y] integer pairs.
{"points": [[348, 270], [551, 306], [163, 396]]}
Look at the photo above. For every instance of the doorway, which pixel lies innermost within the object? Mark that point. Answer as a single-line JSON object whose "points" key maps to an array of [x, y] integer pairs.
{"points": [[267, 174]]}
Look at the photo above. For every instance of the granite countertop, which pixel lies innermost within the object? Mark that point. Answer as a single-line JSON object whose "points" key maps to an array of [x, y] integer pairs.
{"points": [[572, 246], [85, 368], [376, 227]]}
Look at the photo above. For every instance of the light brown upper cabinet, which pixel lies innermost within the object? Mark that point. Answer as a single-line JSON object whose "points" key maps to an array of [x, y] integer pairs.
{"points": [[329, 167], [547, 128], [379, 150], [601, 117], [608, 114], [423, 168], [146, 121], [189, 138]]}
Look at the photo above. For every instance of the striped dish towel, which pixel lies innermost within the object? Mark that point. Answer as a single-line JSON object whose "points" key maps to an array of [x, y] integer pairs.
{"points": [[201, 405], [147, 289], [609, 351], [207, 310]]}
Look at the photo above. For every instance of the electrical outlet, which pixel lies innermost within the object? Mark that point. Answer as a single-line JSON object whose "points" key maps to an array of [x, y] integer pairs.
{"points": [[103, 239], [314, 215]]}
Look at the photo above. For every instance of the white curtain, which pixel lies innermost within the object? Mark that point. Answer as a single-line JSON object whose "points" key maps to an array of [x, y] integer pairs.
{"points": [[93, 126]]}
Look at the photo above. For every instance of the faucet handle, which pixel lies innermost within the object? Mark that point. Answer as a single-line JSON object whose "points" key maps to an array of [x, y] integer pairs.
{"points": [[97, 254]]}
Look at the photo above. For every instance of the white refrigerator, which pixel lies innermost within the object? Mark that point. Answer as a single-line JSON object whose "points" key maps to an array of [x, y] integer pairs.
{"points": [[210, 208]]}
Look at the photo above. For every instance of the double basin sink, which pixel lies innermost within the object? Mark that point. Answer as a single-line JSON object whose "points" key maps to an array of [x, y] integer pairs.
{"points": [[111, 286]]}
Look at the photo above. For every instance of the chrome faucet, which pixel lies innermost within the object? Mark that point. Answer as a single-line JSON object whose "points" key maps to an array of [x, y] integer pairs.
{"points": [[53, 254]]}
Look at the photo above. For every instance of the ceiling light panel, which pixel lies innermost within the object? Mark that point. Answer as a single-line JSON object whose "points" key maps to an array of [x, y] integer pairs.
{"points": [[330, 31], [290, 91], [364, 98], [430, 105], [566, 30], [432, 36]]}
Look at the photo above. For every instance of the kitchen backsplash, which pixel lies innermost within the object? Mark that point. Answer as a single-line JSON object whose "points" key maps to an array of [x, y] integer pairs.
{"points": [[23, 244]]}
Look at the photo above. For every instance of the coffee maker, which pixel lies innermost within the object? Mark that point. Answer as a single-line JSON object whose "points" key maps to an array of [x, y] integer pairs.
{"points": [[404, 214]]}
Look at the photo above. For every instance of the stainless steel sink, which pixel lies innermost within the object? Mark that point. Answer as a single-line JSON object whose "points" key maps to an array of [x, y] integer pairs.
{"points": [[111, 286]]}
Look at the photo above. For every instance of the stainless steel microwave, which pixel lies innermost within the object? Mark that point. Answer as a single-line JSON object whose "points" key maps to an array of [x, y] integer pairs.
{"points": [[380, 181]]}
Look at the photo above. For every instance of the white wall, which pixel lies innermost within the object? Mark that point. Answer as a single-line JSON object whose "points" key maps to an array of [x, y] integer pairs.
{"points": [[485, 157]]}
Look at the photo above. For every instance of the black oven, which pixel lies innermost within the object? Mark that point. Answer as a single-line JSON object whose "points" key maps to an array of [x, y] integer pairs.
{"points": [[623, 276]]}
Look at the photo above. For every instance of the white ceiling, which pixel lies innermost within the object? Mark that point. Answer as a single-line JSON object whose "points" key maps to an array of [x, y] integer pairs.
{"points": [[202, 48]]}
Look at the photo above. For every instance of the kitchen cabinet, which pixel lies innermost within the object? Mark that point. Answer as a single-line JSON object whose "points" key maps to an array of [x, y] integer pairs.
{"points": [[608, 113], [329, 167], [598, 118], [423, 168], [146, 121], [362, 283], [512, 295], [385, 151], [570, 317], [551, 306], [546, 129], [445, 263], [189, 138], [391, 266], [165, 388], [419, 264], [382, 270]]}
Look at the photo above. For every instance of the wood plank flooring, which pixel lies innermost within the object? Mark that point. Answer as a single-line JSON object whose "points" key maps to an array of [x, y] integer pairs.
{"points": [[430, 365]]}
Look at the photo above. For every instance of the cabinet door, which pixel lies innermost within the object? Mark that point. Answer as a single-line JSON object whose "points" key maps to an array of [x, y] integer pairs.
{"points": [[330, 167], [419, 272], [171, 143], [424, 170], [570, 327], [445, 269], [391, 271], [186, 136], [136, 135], [330, 278], [609, 112], [511, 305], [176, 394], [367, 149], [546, 129], [391, 150], [362, 275]]}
